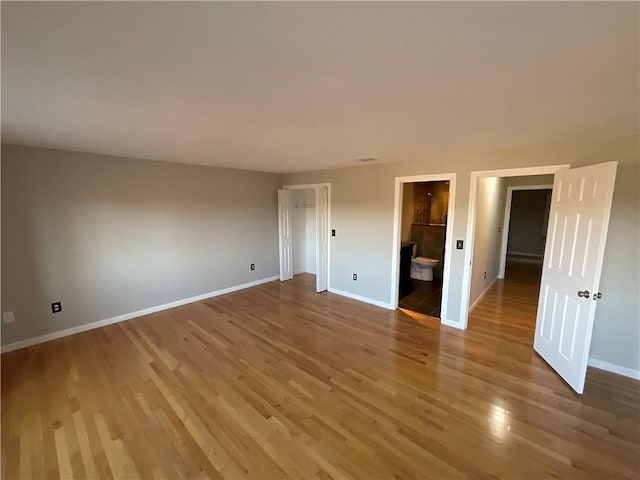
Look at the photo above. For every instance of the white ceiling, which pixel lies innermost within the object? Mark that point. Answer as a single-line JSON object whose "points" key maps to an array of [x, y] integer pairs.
{"points": [[288, 87]]}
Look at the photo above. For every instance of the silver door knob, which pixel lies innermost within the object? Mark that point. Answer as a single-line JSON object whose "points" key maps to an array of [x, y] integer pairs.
{"points": [[583, 294]]}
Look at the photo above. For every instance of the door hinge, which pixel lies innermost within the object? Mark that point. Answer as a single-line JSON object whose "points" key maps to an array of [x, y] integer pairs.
{"points": [[596, 296]]}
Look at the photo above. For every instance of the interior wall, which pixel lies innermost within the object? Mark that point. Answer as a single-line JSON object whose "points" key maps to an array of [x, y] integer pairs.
{"points": [[310, 235], [490, 209], [304, 230], [362, 214], [108, 236], [299, 230], [528, 222]]}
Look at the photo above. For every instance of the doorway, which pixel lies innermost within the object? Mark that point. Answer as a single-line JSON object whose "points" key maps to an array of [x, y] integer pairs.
{"points": [[528, 206], [303, 222], [511, 226], [492, 234], [578, 223], [422, 243]]}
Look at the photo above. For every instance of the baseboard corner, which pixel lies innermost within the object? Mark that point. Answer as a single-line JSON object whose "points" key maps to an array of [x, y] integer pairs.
{"points": [[614, 368], [361, 298]]}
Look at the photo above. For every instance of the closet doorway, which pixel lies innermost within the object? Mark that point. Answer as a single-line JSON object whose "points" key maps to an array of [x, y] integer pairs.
{"points": [[303, 227]]}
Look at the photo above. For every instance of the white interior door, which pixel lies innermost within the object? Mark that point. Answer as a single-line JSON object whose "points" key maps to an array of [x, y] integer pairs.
{"points": [[578, 222], [285, 234], [322, 241]]}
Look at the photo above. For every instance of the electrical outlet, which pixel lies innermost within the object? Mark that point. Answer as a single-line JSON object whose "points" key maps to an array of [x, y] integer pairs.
{"points": [[459, 244], [7, 317], [333, 232], [355, 276], [253, 266], [56, 307]]}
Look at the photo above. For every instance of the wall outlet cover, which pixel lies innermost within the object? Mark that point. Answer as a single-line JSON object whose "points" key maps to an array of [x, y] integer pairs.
{"points": [[7, 317], [56, 307], [459, 244], [355, 276], [253, 266]]}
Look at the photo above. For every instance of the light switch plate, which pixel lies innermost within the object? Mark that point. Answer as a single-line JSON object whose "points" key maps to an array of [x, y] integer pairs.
{"points": [[7, 317]]}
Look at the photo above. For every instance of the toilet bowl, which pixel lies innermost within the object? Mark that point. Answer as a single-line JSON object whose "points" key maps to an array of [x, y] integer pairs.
{"points": [[422, 268]]}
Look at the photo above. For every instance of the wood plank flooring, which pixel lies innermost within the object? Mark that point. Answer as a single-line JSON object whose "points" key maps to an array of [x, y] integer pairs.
{"points": [[278, 381]]}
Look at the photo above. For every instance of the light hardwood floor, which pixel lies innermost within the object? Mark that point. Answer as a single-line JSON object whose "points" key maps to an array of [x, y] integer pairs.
{"points": [[278, 381]]}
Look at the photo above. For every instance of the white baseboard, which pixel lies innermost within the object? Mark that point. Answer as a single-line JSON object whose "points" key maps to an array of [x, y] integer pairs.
{"points": [[525, 254], [482, 294], [297, 272], [128, 316], [613, 368], [360, 298]]}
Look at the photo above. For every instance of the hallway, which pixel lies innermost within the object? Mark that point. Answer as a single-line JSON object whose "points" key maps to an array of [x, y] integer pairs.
{"points": [[509, 306]]}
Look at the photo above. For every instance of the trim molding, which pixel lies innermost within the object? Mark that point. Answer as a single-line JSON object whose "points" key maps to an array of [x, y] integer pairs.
{"points": [[613, 368], [452, 324], [397, 231], [360, 298], [128, 316]]}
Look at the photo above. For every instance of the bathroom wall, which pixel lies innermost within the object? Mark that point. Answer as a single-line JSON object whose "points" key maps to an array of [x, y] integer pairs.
{"points": [[407, 212], [430, 202], [429, 205], [430, 242]]}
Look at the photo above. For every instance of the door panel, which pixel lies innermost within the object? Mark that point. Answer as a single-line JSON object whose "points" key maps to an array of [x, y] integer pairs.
{"points": [[576, 236], [285, 220]]}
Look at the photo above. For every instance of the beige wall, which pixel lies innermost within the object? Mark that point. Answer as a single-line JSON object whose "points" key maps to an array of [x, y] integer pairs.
{"points": [[488, 238], [110, 236], [304, 230], [299, 231], [362, 208], [310, 239]]}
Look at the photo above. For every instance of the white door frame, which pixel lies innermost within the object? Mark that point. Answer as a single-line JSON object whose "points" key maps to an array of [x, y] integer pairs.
{"points": [[471, 224], [316, 186], [397, 227], [507, 221]]}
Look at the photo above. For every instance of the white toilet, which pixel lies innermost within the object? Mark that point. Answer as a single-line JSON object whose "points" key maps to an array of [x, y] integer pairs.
{"points": [[422, 267]]}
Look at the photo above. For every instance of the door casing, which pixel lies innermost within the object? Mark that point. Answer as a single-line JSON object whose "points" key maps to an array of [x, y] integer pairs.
{"points": [[463, 319]]}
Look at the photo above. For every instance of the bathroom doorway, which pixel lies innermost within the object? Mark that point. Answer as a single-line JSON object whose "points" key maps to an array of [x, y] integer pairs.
{"points": [[423, 243]]}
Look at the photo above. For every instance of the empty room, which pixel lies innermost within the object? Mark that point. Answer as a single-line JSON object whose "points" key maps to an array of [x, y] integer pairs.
{"points": [[337, 240]]}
